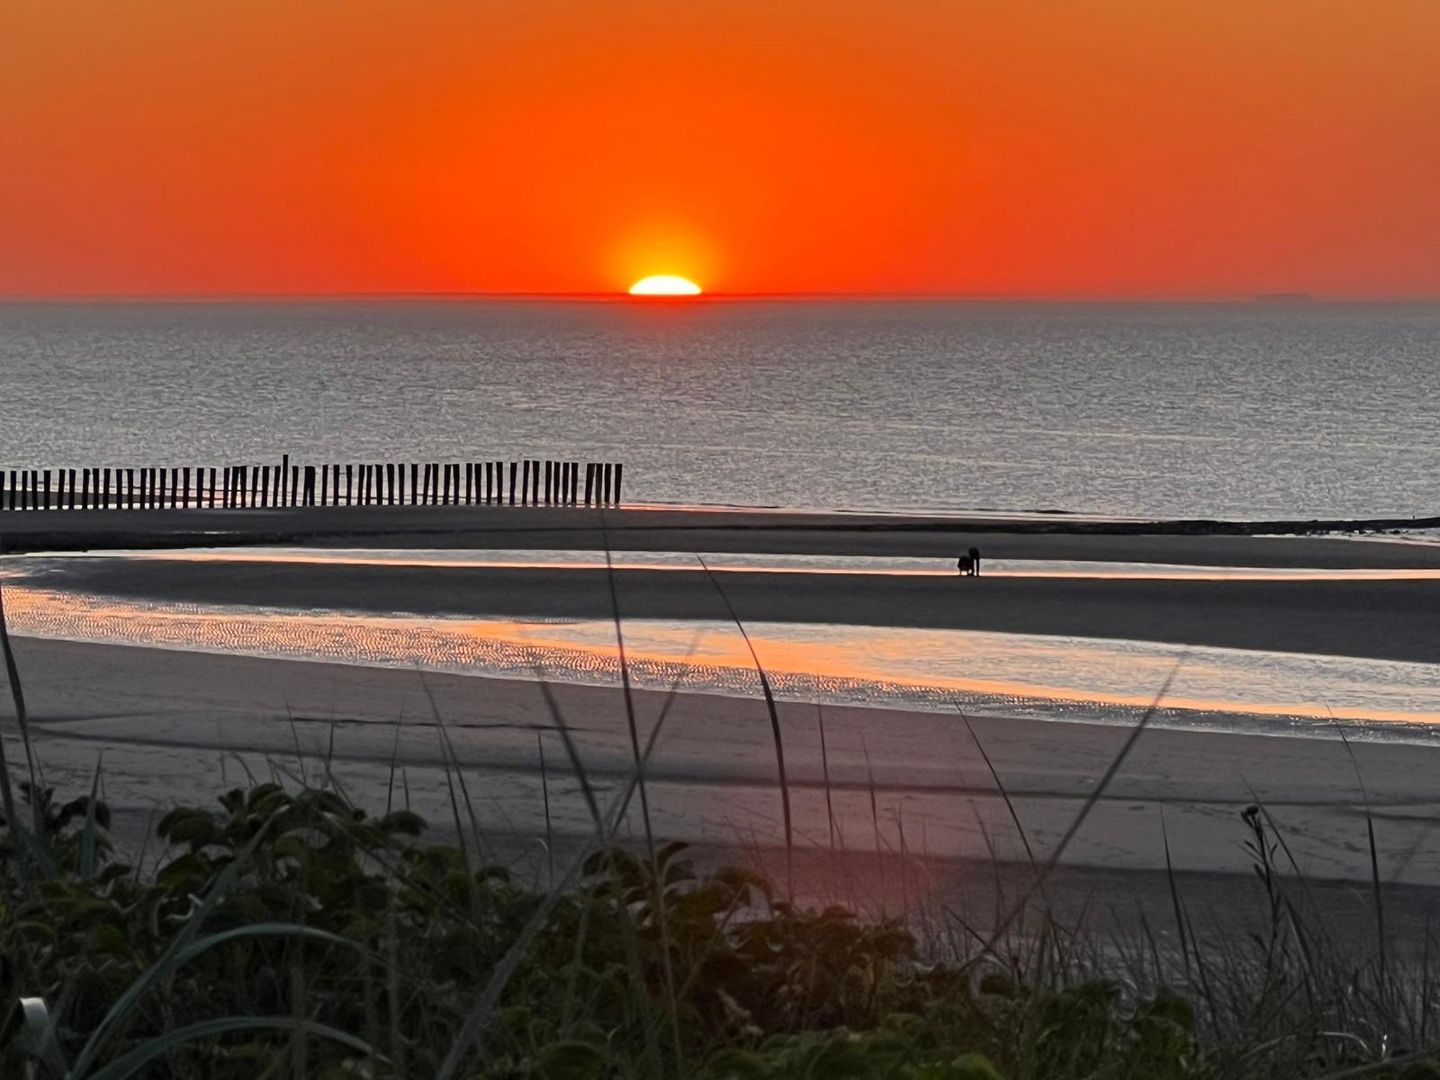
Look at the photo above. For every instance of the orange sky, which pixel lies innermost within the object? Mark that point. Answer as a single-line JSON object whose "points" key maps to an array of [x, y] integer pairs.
{"points": [[1035, 147]]}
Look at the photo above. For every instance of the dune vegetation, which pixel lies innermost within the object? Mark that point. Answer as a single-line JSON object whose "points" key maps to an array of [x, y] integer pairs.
{"points": [[283, 931]]}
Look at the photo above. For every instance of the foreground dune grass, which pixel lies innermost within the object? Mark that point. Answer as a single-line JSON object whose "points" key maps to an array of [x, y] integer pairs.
{"points": [[287, 933]]}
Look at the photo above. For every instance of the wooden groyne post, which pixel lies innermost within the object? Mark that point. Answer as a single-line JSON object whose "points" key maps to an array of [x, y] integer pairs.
{"points": [[522, 482]]}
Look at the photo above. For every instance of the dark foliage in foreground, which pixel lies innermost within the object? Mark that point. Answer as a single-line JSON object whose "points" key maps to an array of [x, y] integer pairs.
{"points": [[290, 934]]}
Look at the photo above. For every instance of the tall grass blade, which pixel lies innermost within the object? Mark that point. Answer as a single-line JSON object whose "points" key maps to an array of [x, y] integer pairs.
{"points": [[1180, 928], [87, 834], [394, 759], [999, 785], [1381, 938], [172, 956], [1058, 851], [661, 912], [454, 760], [37, 1034], [22, 724], [478, 1019], [129, 1064], [825, 773], [774, 727], [545, 796]]}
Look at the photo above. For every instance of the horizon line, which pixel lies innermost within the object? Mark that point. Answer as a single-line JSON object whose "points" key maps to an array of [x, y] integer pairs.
{"points": [[1278, 297]]}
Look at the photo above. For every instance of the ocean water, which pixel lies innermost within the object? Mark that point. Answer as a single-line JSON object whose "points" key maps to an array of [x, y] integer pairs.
{"points": [[1246, 410]]}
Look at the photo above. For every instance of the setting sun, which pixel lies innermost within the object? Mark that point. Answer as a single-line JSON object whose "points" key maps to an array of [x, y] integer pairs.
{"points": [[664, 285]]}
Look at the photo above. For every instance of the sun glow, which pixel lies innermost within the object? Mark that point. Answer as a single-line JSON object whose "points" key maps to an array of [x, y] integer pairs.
{"points": [[664, 285]]}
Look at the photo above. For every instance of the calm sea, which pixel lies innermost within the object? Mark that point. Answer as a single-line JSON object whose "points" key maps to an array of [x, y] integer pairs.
{"points": [[1242, 410]]}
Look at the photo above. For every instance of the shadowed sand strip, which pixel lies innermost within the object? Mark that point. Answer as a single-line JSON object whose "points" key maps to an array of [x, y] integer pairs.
{"points": [[1034, 536]]}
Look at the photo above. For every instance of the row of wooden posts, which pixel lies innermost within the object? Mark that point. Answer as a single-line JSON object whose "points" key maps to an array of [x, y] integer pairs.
{"points": [[487, 483]]}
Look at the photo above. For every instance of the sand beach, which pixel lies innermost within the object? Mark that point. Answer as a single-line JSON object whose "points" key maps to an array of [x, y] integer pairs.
{"points": [[173, 725]]}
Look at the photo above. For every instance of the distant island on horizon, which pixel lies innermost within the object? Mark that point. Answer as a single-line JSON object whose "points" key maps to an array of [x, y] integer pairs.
{"points": [[1285, 298]]}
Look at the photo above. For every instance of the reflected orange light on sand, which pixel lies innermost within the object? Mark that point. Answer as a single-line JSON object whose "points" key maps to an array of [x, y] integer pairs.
{"points": [[866, 657], [880, 666]]}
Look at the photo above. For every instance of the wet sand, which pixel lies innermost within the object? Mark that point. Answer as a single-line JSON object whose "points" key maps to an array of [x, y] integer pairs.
{"points": [[1386, 619]]}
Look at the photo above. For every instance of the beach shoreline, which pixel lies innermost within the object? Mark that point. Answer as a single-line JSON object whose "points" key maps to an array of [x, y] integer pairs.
{"points": [[180, 726], [1397, 618]]}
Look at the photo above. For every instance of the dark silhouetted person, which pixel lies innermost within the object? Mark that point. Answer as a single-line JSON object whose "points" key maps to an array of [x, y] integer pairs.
{"points": [[975, 562], [965, 565]]}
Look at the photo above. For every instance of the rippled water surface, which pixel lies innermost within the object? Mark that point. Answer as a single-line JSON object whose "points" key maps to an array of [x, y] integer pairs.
{"points": [[1244, 410]]}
